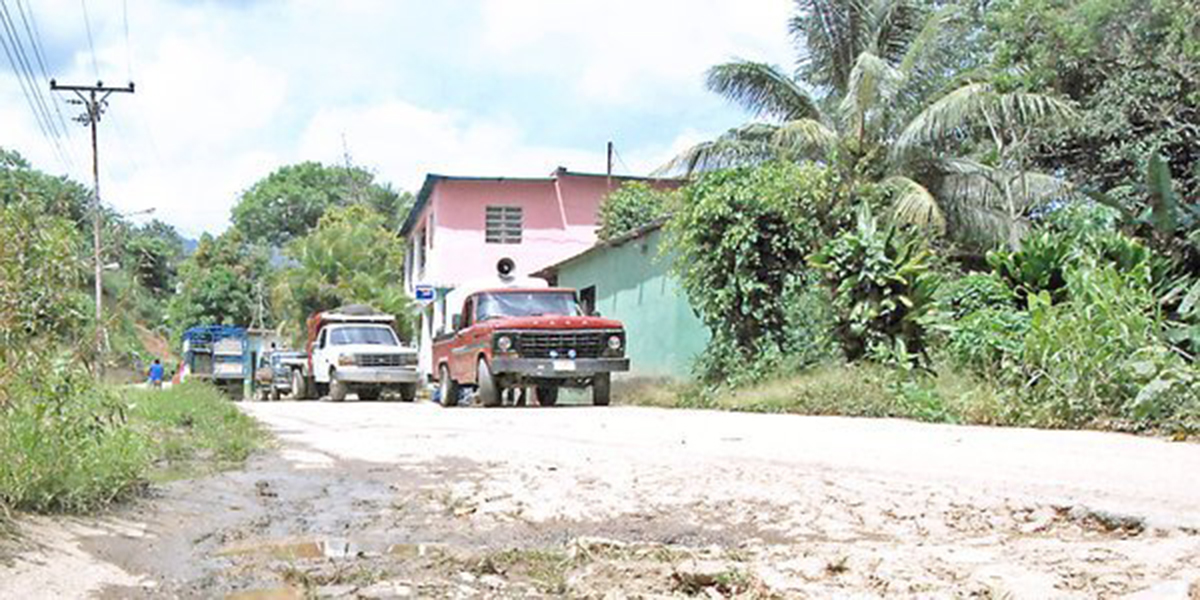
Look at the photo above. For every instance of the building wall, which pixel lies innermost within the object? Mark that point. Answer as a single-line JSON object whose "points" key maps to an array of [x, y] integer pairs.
{"points": [[633, 285]]}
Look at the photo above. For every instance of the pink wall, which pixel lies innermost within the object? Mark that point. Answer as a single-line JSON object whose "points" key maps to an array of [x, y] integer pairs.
{"points": [[459, 251]]}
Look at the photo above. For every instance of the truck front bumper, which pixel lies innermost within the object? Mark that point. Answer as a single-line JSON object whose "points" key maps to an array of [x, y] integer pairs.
{"points": [[378, 375], [552, 368]]}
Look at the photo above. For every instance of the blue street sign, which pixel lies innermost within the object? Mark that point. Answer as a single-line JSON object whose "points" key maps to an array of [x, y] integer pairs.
{"points": [[424, 292]]}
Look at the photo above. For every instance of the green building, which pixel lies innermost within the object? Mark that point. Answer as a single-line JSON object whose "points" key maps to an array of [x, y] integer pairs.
{"points": [[629, 279]]}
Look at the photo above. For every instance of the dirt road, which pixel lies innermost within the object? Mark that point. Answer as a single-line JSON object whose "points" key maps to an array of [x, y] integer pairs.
{"points": [[385, 500]]}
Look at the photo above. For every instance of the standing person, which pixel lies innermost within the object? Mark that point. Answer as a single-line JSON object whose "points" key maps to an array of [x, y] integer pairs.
{"points": [[156, 374]]}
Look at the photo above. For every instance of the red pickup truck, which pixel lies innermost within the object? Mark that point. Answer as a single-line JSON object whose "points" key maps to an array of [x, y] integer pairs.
{"points": [[538, 338]]}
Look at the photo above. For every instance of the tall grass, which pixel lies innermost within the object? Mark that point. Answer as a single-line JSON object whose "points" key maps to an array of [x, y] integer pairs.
{"points": [[66, 445], [70, 446]]}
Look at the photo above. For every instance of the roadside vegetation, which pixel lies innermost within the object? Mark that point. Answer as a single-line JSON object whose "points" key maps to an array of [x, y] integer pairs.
{"points": [[941, 218], [69, 442], [72, 447]]}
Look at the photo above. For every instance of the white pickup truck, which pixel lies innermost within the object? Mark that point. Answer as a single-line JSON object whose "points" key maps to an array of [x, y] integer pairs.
{"points": [[355, 350]]}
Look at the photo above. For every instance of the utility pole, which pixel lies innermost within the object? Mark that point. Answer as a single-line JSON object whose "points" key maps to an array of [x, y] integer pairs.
{"points": [[94, 98], [608, 180]]}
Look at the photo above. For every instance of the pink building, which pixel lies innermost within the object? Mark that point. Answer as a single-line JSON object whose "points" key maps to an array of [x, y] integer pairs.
{"points": [[460, 227]]}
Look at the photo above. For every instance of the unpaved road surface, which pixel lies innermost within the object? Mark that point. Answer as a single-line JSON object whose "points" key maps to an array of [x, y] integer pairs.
{"points": [[393, 500]]}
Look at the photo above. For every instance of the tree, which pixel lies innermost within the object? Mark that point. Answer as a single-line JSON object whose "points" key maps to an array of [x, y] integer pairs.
{"points": [[153, 252], [1133, 66], [220, 283], [352, 257], [952, 158], [291, 200], [741, 236], [635, 204]]}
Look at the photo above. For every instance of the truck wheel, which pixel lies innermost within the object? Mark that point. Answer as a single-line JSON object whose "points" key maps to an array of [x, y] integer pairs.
{"points": [[298, 392], [601, 389], [449, 388], [369, 393], [273, 395], [408, 392], [337, 390], [489, 392], [547, 395]]}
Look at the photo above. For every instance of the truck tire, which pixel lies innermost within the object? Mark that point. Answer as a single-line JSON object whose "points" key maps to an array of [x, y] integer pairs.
{"points": [[449, 388], [408, 392], [489, 393], [601, 389], [337, 390], [299, 387], [273, 395], [547, 395], [371, 393]]}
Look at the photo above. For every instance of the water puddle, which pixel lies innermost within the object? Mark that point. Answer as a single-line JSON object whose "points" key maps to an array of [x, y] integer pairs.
{"points": [[327, 548], [284, 593]]}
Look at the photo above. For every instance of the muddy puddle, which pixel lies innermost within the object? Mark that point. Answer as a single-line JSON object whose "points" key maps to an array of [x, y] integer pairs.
{"points": [[365, 530]]}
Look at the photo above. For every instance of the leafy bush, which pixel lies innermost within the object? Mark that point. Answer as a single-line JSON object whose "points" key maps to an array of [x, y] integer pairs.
{"points": [[1101, 356], [66, 444], [633, 205], [988, 340], [960, 297], [1039, 266], [882, 287], [742, 236]]}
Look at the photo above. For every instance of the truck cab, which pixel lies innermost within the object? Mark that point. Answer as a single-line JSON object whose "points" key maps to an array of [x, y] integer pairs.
{"points": [[510, 338], [355, 350]]}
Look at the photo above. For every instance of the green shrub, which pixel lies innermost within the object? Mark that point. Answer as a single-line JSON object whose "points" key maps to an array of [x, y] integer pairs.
{"points": [[882, 287], [960, 297], [66, 444], [742, 236], [988, 341], [1102, 356], [631, 206], [1039, 266]]}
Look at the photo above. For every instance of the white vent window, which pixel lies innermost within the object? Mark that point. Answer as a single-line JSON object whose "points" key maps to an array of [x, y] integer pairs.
{"points": [[503, 225]]}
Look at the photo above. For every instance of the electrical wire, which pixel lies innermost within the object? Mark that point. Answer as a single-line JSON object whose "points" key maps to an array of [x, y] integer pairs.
{"points": [[15, 51], [29, 20], [87, 23]]}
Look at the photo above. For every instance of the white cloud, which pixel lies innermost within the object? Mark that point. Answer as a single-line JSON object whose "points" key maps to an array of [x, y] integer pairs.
{"points": [[403, 142], [228, 92], [630, 51]]}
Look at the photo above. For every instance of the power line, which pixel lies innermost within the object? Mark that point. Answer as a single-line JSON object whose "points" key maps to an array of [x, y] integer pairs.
{"points": [[29, 20], [87, 23], [24, 68], [31, 31], [128, 54], [15, 51]]}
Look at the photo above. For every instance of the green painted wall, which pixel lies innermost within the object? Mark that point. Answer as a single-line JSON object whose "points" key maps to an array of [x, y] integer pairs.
{"points": [[633, 285]]}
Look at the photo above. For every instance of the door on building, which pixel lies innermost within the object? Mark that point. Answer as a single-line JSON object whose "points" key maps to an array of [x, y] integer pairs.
{"points": [[587, 300]]}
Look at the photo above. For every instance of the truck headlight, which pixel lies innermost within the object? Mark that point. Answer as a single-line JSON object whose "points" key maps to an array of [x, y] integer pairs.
{"points": [[346, 360], [504, 343], [614, 342]]}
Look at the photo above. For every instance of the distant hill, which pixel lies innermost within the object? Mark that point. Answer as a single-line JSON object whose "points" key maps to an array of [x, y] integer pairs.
{"points": [[189, 246]]}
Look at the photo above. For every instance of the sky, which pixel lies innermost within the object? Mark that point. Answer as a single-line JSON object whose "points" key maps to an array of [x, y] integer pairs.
{"points": [[229, 90]]}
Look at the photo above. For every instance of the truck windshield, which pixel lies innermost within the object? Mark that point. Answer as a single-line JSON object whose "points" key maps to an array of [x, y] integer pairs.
{"points": [[381, 336], [526, 304]]}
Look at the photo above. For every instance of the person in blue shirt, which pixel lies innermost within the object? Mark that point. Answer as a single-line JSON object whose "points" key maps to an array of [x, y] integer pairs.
{"points": [[156, 374]]}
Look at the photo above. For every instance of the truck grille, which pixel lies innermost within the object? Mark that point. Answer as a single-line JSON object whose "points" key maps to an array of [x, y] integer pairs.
{"points": [[386, 360], [586, 344]]}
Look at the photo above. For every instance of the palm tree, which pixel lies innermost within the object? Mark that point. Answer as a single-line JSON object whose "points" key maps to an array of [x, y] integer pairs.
{"points": [[866, 65]]}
